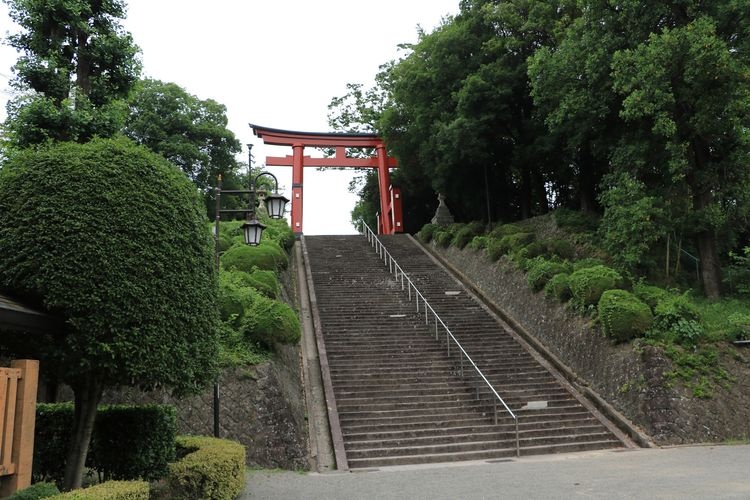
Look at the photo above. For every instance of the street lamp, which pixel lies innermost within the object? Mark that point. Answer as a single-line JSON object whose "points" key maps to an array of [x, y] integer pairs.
{"points": [[275, 206]]}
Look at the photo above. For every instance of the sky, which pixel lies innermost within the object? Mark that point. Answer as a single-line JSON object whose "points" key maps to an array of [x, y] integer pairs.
{"points": [[274, 63]]}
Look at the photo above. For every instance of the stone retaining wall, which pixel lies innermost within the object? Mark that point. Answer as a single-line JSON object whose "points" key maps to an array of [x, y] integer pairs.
{"points": [[631, 379]]}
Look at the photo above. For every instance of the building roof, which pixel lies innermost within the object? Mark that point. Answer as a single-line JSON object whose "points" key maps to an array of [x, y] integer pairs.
{"points": [[18, 317]]}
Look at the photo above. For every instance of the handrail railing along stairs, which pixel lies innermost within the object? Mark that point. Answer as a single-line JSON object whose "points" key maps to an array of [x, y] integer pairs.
{"points": [[406, 283]]}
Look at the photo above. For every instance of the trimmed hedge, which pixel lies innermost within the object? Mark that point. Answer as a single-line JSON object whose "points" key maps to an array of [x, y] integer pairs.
{"points": [[267, 256], [116, 450], [263, 281], [558, 287], [212, 468], [623, 316], [133, 442], [467, 233], [588, 284], [540, 271], [110, 490], [35, 492], [478, 242]]}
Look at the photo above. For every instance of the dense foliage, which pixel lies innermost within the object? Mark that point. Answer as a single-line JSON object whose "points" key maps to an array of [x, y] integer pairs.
{"points": [[113, 239], [76, 68], [640, 113], [116, 450]]}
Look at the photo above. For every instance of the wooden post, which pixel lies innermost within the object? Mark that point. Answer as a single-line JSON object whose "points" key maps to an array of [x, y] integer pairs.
{"points": [[23, 434]]}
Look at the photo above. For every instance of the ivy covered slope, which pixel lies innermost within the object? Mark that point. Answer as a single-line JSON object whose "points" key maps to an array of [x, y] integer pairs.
{"points": [[566, 256], [254, 317]]}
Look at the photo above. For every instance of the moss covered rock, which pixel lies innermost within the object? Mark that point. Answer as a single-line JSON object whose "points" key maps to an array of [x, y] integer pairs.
{"points": [[623, 316]]}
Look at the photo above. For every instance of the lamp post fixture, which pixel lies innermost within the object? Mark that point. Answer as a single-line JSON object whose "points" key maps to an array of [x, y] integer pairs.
{"points": [[252, 229]]}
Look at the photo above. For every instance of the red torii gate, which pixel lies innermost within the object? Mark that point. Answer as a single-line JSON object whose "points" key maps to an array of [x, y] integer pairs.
{"points": [[390, 218]]}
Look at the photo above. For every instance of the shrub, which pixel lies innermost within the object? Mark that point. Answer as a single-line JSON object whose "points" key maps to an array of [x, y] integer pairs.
{"points": [[133, 442], [532, 250], [267, 256], [494, 249], [278, 230], [586, 263], [505, 230], [650, 294], [263, 281], [623, 315], [588, 284], [515, 242], [443, 238], [540, 271], [426, 233], [478, 242], [561, 248], [234, 297], [35, 491], [212, 468], [558, 287], [110, 490], [116, 450], [465, 234], [270, 321], [677, 319], [740, 326]]}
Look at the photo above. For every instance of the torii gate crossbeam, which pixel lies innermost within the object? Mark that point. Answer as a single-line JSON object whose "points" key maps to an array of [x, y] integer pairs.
{"points": [[390, 218]]}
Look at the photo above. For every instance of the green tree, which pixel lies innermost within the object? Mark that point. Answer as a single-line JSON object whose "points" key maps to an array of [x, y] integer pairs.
{"points": [[113, 239], [689, 87], [77, 64], [190, 132]]}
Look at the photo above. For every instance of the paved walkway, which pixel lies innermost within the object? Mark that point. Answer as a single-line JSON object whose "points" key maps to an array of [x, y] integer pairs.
{"points": [[670, 473]]}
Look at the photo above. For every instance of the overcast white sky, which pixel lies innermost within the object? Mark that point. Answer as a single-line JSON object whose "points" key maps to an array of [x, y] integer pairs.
{"points": [[275, 63]]}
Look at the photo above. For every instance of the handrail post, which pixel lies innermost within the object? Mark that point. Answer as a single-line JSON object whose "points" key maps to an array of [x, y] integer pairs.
{"points": [[518, 441]]}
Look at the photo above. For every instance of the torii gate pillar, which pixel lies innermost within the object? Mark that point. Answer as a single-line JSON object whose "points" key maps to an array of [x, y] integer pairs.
{"points": [[390, 218]]}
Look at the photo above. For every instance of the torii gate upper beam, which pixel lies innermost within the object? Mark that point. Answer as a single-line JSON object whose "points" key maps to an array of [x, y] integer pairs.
{"points": [[390, 219]]}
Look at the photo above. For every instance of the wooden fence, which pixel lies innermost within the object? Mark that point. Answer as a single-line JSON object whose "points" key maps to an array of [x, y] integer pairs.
{"points": [[18, 386]]}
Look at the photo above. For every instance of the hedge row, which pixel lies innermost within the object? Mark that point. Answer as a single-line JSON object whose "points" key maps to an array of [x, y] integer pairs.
{"points": [[110, 490], [211, 468], [128, 442]]}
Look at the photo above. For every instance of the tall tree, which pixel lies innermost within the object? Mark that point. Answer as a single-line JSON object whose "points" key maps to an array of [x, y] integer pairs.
{"points": [[77, 64]]}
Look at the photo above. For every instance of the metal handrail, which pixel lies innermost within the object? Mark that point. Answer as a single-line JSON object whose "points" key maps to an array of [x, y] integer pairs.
{"points": [[406, 282]]}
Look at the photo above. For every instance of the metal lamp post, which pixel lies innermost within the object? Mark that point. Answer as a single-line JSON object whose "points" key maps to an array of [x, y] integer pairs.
{"points": [[252, 229]]}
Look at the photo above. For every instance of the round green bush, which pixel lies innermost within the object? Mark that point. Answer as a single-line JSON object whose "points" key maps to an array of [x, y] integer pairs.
{"points": [[588, 284], [650, 294], [540, 271], [558, 287], [533, 249], [623, 316], [516, 241], [263, 281], [443, 238], [270, 322], [426, 233], [561, 248], [278, 230], [267, 256]]}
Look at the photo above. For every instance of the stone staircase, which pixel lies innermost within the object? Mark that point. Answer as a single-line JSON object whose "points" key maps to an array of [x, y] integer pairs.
{"points": [[401, 399]]}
